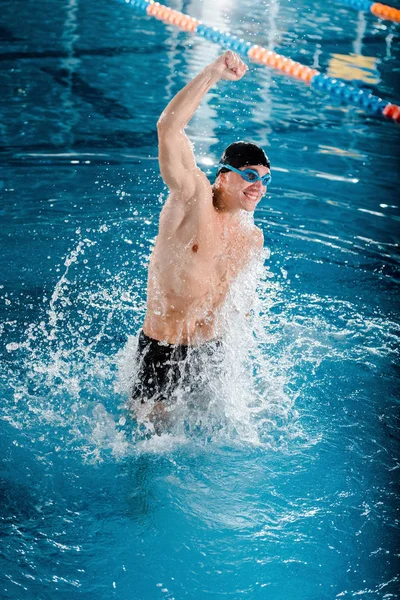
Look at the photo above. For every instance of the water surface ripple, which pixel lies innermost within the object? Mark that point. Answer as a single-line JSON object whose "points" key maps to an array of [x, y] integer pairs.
{"points": [[286, 486]]}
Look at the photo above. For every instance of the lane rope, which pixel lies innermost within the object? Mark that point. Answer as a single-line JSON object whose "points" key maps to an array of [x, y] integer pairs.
{"points": [[336, 88], [382, 11]]}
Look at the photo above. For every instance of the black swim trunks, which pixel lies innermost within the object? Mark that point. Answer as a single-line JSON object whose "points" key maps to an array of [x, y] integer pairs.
{"points": [[162, 368]]}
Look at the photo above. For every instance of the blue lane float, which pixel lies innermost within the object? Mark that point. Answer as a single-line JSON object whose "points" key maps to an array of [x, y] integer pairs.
{"points": [[338, 89], [382, 11]]}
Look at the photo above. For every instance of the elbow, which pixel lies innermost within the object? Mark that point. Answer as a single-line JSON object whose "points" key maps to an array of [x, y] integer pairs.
{"points": [[160, 122], [164, 122], [168, 123], [163, 129]]}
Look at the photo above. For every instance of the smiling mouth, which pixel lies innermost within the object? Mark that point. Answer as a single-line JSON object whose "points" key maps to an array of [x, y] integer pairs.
{"points": [[251, 196]]}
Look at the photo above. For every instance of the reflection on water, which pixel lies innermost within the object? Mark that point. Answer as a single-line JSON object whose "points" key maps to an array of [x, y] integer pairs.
{"points": [[354, 67], [323, 149]]}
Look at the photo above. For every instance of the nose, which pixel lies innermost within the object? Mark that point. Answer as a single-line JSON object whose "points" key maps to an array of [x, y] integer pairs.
{"points": [[257, 186]]}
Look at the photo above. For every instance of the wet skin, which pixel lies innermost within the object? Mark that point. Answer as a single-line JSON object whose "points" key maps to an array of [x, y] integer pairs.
{"points": [[204, 237]]}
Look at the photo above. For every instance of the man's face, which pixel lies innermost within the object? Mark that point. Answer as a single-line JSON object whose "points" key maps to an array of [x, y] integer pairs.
{"points": [[245, 194]]}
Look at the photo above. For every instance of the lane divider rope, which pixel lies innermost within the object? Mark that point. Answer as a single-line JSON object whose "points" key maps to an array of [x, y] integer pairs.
{"points": [[382, 11], [334, 87]]}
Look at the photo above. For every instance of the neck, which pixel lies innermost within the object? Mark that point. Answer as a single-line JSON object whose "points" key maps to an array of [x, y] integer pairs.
{"points": [[220, 204]]}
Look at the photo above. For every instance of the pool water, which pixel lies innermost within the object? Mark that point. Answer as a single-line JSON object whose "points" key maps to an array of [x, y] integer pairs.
{"points": [[287, 486]]}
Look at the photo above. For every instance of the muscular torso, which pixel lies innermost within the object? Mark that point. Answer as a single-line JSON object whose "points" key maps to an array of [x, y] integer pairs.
{"points": [[197, 255]]}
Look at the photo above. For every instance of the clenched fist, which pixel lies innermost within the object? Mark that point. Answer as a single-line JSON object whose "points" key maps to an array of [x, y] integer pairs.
{"points": [[229, 66]]}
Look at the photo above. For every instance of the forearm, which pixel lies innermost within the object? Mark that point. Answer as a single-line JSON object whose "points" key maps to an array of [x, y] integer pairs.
{"points": [[182, 107]]}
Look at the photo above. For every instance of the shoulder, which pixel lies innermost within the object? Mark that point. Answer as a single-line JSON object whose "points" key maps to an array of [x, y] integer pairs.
{"points": [[191, 201], [202, 180], [257, 238], [195, 187]]}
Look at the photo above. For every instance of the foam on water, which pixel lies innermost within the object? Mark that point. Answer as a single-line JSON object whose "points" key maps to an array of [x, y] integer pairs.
{"points": [[238, 384]]}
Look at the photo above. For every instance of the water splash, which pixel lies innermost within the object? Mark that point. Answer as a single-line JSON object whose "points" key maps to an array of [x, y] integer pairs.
{"points": [[69, 374], [242, 388]]}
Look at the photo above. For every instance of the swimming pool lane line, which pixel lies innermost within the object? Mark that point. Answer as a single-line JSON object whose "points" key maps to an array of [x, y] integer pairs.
{"points": [[382, 11], [334, 87]]}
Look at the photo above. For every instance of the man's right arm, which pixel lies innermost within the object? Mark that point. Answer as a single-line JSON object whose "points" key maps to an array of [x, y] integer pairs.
{"points": [[177, 162]]}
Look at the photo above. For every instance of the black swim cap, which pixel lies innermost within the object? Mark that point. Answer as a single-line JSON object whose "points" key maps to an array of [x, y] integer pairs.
{"points": [[241, 154]]}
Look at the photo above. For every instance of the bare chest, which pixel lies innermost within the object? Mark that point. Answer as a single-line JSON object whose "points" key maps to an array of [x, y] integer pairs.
{"points": [[197, 255], [225, 254], [207, 259]]}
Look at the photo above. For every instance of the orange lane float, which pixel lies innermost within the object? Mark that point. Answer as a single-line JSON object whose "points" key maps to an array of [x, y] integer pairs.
{"points": [[281, 63], [174, 17], [383, 11], [336, 88]]}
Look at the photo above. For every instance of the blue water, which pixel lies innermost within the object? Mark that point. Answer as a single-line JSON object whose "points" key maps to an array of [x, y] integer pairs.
{"points": [[290, 489]]}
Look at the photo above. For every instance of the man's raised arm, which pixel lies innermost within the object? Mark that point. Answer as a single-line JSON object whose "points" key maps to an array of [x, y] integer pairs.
{"points": [[177, 163]]}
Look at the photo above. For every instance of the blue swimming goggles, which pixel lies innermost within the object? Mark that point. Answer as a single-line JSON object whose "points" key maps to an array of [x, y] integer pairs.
{"points": [[249, 174]]}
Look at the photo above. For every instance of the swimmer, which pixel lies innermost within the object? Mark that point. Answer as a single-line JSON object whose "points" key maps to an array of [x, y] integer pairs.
{"points": [[203, 241]]}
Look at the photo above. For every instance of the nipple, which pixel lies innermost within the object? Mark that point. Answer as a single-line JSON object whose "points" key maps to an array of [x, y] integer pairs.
{"points": [[195, 247]]}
